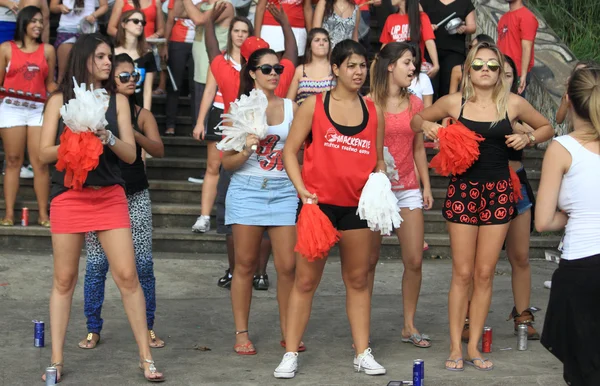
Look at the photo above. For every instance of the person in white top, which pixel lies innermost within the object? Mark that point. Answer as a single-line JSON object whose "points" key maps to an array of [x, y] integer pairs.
{"points": [[421, 84], [571, 181], [261, 197]]}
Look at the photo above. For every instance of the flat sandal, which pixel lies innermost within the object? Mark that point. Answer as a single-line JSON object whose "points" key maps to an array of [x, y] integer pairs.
{"points": [[152, 369]]}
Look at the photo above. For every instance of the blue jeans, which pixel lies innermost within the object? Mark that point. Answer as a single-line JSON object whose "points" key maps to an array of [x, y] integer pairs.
{"points": [[140, 214]]}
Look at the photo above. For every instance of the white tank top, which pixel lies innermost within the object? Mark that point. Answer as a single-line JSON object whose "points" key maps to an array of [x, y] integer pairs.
{"points": [[267, 160], [578, 197], [70, 22], [8, 16]]}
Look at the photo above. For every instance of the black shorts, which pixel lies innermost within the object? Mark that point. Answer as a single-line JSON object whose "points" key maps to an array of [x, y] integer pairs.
{"points": [[343, 218], [479, 202], [214, 117]]}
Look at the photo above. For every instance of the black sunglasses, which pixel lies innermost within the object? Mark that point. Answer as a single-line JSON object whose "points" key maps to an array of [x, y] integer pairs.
{"points": [[492, 65], [138, 21], [125, 77], [267, 68]]}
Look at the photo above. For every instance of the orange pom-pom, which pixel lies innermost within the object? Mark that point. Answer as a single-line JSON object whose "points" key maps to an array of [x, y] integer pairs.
{"points": [[516, 184], [78, 154], [459, 149], [315, 233]]}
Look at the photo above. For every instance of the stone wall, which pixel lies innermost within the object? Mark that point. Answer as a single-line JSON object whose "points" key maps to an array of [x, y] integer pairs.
{"points": [[553, 59]]}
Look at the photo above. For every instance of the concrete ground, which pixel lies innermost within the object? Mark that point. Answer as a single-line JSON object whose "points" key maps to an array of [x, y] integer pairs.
{"points": [[193, 311]]}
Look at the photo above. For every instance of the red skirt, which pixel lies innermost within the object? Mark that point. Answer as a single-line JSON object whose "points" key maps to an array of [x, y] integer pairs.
{"points": [[91, 209]]}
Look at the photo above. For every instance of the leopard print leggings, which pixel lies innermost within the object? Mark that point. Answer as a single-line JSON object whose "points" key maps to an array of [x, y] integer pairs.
{"points": [[140, 214]]}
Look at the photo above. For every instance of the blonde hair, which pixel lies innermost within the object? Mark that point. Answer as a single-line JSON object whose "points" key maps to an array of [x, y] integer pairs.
{"points": [[584, 94], [501, 90]]}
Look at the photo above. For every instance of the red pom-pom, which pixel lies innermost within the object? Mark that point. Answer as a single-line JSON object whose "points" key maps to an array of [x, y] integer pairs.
{"points": [[459, 149], [516, 184], [78, 154], [315, 233]]}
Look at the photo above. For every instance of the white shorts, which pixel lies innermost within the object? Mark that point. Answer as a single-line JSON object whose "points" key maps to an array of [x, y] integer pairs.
{"points": [[411, 199], [273, 34], [11, 115]]}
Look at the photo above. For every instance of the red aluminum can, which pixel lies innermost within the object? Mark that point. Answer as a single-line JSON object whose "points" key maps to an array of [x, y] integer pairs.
{"points": [[25, 217], [486, 340]]}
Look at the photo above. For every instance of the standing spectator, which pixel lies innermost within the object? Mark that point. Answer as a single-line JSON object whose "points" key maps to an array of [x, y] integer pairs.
{"points": [[457, 71], [421, 84], [516, 32], [8, 17], [338, 17], [451, 48], [300, 15], [155, 23], [179, 32], [411, 24], [26, 64], [570, 183], [72, 13]]}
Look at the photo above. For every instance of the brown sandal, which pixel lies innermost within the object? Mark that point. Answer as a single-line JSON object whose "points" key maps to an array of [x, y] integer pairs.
{"points": [[154, 341], [85, 344], [526, 317]]}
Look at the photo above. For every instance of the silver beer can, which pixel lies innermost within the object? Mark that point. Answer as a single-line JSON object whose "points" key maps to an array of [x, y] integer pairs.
{"points": [[522, 337]]}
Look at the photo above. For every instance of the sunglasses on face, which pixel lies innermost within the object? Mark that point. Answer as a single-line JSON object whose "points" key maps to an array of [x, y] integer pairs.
{"points": [[492, 65], [125, 77], [138, 21], [266, 69]]}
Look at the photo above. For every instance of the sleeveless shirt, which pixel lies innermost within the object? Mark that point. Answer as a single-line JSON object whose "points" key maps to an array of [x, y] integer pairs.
{"points": [[134, 174], [27, 71]]}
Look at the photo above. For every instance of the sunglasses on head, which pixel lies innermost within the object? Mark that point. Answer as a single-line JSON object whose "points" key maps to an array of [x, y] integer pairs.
{"points": [[125, 77], [492, 65], [138, 21], [267, 68]]}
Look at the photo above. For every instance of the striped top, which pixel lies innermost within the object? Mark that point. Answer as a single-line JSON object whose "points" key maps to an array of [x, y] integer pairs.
{"points": [[308, 86]]}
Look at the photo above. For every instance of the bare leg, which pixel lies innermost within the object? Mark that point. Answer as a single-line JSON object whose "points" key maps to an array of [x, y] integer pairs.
{"points": [[265, 252], [230, 252], [376, 239], [283, 241], [211, 178], [41, 176], [247, 245], [517, 249], [62, 55], [13, 142], [118, 246]]}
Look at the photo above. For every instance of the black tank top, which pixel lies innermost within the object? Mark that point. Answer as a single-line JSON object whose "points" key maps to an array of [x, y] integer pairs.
{"points": [[134, 174], [108, 172], [493, 152]]}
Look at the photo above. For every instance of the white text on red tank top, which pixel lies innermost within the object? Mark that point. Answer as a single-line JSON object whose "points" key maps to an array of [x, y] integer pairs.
{"points": [[336, 140]]}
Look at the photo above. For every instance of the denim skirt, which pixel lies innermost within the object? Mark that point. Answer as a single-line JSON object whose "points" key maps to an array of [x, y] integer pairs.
{"points": [[261, 201]]}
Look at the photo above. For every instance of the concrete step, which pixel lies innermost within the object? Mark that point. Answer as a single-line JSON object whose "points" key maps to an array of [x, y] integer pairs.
{"points": [[176, 146], [159, 104], [183, 240], [175, 168]]}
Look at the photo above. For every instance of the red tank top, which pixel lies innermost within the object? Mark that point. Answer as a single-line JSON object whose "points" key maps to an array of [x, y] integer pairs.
{"points": [[149, 12], [337, 166], [27, 71]]}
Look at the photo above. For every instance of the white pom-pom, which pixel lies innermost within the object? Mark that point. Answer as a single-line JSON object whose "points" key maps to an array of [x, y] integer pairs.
{"points": [[390, 164], [246, 115], [87, 111], [379, 205]]}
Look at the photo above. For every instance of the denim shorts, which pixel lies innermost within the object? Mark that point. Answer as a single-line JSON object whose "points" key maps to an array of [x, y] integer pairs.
{"points": [[524, 204], [261, 201]]}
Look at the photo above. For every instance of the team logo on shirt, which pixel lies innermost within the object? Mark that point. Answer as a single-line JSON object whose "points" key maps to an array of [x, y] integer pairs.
{"points": [[503, 32], [269, 158], [400, 33], [29, 70], [334, 139]]}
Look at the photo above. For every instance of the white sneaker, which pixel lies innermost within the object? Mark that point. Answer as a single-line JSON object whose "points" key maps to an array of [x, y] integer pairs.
{"points": [[202, 224], [288, 366], [548, 284], [367, 363], [26, 172]]}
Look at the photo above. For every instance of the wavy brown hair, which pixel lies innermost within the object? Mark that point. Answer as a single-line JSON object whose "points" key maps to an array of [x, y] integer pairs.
{"points": [[142, 45]]}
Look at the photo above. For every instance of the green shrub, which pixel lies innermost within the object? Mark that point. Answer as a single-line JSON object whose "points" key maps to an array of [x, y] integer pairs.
{"points": [[576, 22]]}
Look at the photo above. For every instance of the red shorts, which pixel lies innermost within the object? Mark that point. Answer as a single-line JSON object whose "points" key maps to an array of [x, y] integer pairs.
{"points": [[91, 209], [479, 202]]}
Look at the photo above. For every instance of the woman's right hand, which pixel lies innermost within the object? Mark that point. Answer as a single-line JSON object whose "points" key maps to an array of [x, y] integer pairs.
{"points": [[251, 140], [305, 195], [430, 129], [198, 132], [64, 9]]}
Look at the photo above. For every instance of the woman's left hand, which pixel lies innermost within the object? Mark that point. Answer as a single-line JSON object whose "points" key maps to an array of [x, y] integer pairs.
{"points": [[461, 30], [427, 199], [381, 167], [91, 19], [433, 71], [517, 141]]}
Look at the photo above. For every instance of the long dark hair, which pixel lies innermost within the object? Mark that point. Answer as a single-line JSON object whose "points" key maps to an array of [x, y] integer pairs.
{"points": [[84, 49], [379, 70], [120, 59], [329, 7], [246, 81], [345, 49], [141, 46], [514, 87], [244, 20], [414, 20], [24, 18], [311, 35]]}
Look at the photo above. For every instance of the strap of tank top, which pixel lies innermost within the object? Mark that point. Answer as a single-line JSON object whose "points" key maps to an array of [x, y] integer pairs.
{"points": [[462, 107], [288, 110], [304, 71]]}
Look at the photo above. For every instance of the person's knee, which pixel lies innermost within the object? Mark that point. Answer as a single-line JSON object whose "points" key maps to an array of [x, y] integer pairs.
{"points": [[306, 283], [64, 283], [413, 264], [245, 267], [462, 276], [519, 259], [213, 166], [357, 280], [126, 279], [373, 260], [484, 276], [14, 161]]}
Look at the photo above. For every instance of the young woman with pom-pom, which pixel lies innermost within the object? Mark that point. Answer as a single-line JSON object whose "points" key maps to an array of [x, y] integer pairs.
{"points": [[479, 202]]}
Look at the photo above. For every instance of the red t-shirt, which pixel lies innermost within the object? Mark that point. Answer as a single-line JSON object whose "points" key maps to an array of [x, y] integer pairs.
{"points": [[396, 29], [228, 79], [336, 166], [294, 9], [514, 26], [150, 14]]}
